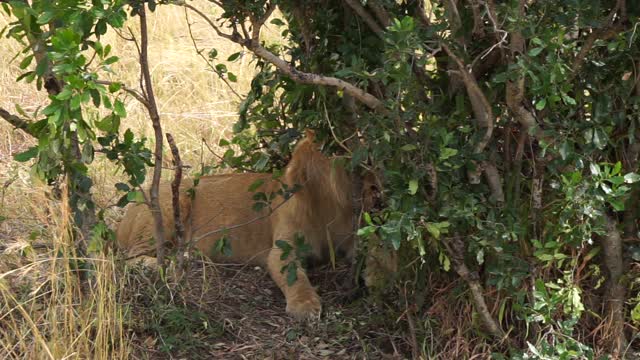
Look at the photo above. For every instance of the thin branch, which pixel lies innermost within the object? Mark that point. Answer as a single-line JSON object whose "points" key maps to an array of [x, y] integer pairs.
{"points": [[16, 121], [289, 70], [199, 52], [308, 78], [248, 222], [154, 195], [604, 33], [175, 199], [138, 96]]}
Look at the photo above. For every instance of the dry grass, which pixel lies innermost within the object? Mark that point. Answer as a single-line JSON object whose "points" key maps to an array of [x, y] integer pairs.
{"points": [[45, 311]]}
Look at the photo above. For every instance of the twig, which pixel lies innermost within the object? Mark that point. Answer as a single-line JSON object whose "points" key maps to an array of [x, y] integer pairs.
{"points": [[223, 159], [199, 52], [138, 96]]}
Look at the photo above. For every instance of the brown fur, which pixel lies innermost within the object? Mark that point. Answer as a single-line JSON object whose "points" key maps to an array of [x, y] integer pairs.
{"points": [[321, 211]]}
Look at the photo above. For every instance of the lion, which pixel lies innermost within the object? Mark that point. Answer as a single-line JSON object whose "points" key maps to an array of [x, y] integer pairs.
{"points": [[320, 212]]}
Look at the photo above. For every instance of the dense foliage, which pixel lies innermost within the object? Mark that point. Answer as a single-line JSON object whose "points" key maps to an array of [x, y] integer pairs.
{"points": [[504, 136]]}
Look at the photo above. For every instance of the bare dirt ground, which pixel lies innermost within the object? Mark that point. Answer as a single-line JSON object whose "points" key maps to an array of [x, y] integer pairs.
{"points": [[246, 320]]}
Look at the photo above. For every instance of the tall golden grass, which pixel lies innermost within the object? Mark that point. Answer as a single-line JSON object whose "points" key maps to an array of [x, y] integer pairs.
{"points": [[46, 312]]}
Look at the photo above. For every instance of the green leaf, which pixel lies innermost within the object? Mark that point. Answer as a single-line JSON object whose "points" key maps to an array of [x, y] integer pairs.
{"points": [[447, 152], [119, 109], [26, 155], [114, 87], [277, 22], [255, 185], [617, 204], [45, 17], [221, 68], [535, 51], [367, 231], [122, 186], [232, 77], [568, 99], [408, 147], [135, 196], [413, 186], [285, 247], [110, 60], [541, 104], [26, 62], [631, 178], [367, 218], [42, 67], [434, 230], [234, 56], [292, 273]]}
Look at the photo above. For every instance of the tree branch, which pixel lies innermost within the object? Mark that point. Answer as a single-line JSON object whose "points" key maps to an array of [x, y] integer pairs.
{"points": [[615, 288], [257, 23], [605, 33], [479, 103], [298, 76], [455, 248], [175, 199], [154, 201], [16, 121], [356, 6]]}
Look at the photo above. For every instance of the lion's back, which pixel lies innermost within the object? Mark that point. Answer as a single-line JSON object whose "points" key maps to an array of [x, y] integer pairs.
{"points": [[222, 206]]}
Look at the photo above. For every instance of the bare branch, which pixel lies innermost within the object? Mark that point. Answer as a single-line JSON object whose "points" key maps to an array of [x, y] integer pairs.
{"points": [[175, 199], [422, 13], [479, 103], [16, 121], [289, 70], [154, 195], [308, 78], [615, 288], [364, 14], [515, 89], [456, 249], [257, 23], [380, 12]]}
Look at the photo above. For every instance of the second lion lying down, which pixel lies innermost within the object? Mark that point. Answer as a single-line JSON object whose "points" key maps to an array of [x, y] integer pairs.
{"points": [[320, 211]]}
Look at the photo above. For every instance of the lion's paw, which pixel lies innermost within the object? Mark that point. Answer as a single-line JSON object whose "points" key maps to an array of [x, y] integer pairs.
{"points": [[305, 306]]}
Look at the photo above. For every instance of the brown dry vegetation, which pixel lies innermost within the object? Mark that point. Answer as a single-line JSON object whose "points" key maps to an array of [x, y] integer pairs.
{"points": [[221, 311]]}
